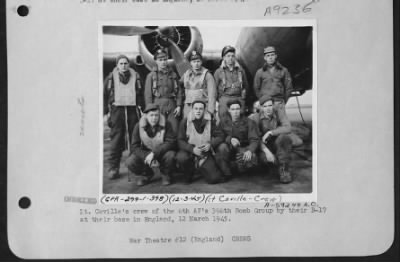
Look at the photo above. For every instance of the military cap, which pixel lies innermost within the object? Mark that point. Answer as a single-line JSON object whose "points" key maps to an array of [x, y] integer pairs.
{"points": [[199, 100], [233, 102], [195, 55], [269, 49], [160, 53], [120, 57], [227, 49], [265, 98], [151, 107]]}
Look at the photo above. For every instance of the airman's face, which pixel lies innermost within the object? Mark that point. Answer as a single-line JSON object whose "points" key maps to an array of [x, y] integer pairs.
{"points": [[162, 62], [268, 107], [123, 65], [270, 58], [229, 58], [196, 64], [234, 110], [153, 117], [198, 110]]}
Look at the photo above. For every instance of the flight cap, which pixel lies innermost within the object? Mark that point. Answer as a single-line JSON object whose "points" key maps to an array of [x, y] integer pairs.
{"points": [[269, 49], [264, 99], [195, 55], [227, 49], [160, 53], [151, 107], [120, 57]]}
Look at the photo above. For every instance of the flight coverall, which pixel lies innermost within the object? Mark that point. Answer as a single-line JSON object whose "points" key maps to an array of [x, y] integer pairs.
{"points": [[161, 140], [121, 92], [274, 81], [231, 85], [197, 132], [281, 143], [199, 85], [246, 131], [163, 89]]}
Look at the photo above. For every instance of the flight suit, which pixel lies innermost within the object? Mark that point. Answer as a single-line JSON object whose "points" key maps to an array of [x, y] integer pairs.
{"points": [[161, 140], [274, 81], [116, 101], [231, 85], [281, 143], [196, 132], [163, 89], [246, 131], [199, 85]]}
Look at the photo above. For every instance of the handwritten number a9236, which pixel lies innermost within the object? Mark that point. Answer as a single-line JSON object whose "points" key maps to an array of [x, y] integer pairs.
{"points": [[285, 10]]}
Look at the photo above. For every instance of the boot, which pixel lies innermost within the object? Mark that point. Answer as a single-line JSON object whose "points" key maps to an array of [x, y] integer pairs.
{"points": [[144, 178], [224, 179], [187, 178], [141, 181], [113, 173], [165, 180], [284, 174], [226, 170]]}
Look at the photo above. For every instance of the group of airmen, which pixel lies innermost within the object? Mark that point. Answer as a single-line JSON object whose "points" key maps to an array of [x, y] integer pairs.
{"points": [[197, 123]]}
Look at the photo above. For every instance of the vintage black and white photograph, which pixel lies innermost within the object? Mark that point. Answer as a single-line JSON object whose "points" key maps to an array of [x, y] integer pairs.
{"points": [[208, 108], [201, 129]]}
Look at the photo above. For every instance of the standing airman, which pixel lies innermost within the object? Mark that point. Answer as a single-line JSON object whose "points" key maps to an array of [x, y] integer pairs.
{"points": [[198, 84], [273, 79], [231, 81], [121, 90], [162, 88]]}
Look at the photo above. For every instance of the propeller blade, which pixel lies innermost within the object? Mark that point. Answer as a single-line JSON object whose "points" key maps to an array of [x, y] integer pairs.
{"points": [[127, 30], [181, 63]]}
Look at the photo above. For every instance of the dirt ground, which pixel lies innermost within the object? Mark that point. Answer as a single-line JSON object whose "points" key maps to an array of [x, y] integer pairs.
{"points": [[262, 180]]}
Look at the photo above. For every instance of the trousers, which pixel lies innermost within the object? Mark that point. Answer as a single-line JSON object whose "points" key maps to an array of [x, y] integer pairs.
{"points": [[117, 124], [281, 146], [226, 155], [209, 169], [137, 166], [174, 121]]}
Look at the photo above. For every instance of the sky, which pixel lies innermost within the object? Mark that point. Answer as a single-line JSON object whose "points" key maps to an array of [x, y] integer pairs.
{"points": [[214, 38]]}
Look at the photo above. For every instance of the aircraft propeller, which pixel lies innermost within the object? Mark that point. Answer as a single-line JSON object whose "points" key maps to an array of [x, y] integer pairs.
{"points": [[127, 30], [165, 34], [181, 63]]}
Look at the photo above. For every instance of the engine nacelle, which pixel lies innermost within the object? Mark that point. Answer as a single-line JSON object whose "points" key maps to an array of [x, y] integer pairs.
{"points": [[187, 38]]}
